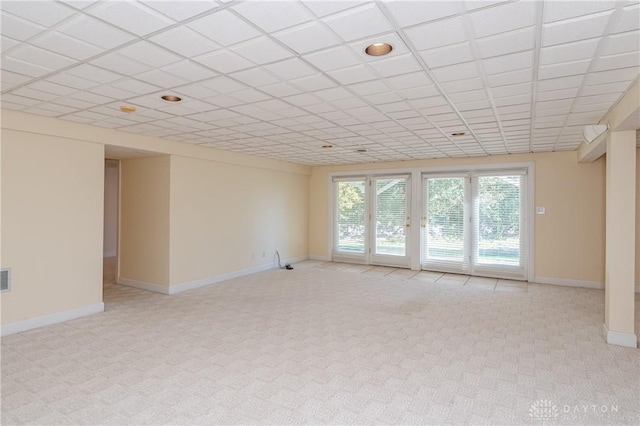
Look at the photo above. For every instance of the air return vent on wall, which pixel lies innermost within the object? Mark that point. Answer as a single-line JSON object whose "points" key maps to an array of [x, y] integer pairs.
{"points": [[5, 280]]}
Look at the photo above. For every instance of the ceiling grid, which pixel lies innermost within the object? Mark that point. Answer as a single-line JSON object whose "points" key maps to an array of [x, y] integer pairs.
{"points": [[282, 79]]}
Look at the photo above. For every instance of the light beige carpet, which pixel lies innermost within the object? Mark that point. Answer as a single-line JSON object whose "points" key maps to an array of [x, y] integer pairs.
{"points": [[328, 343]]}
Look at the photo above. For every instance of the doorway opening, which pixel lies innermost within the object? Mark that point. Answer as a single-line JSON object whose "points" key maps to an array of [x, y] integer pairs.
{"points": [[111, 207]]}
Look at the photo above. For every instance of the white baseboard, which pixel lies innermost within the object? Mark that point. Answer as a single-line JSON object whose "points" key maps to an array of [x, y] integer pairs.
{"points": [[618, 338], [569, 282], [143, 285], [37, 322], [190, 285], [320, 258]]}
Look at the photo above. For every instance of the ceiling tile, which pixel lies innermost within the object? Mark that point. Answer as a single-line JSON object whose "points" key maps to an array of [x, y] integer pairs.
{"points": [[620, 43], [224, 28], [43, 13], [359, 22], [290, 69], [507, 63], [18, 28], [513, 77], [261, 50], [308, 37], [313, 82], [189, 70], [568, 52], [274, 15], [369, 88], [448, 55], [322, 7], [223, 84], [223, 61], [333, 58], [184, 41], [133, 17], [355, 74], [456, 72], [71, 80], [463, 85], [65, 45], [613, 76], [562, 10], [513, 90], [575, 29], [149, 54], [181, 10], [622, 60], [564, 69], [53, 88], [95, 32], [395, 65], [8, 43], [12, 79], [437, 34], [120, 64], [505, 43], [93, 73], [40, 57], [599, 89], [503, 18], [255, 77], [161, 79], [630, 20], [408, 13], [280, 89], [28, 92], [552, 95], [560, 83]]}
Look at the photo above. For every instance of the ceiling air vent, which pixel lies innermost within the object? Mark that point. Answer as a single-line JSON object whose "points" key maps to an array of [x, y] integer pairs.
{"points": [[5, 280]]}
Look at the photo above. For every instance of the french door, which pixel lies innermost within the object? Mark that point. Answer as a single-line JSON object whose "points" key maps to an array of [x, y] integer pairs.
{"points": [[471, 222], [475, 223], [373, 221]]}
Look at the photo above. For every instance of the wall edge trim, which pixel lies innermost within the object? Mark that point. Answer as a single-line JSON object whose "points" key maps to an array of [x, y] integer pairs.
{"points": [[320, 258], [619, 338], [567, 282], [50, 319], [215, 279], [143, 285]]}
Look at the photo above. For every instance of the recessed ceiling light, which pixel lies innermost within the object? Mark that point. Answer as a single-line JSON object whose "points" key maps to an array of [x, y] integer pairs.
{"points": [[327, 146], [458, 134], [127, 108], [172, 98], [361, 150], [378, 49]]}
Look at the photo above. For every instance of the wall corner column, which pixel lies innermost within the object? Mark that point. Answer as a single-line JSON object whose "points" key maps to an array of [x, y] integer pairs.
{"points": [[620, 239]]}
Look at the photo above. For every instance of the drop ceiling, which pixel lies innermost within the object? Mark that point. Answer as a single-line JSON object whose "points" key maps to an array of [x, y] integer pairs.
{"points": [[280, 79]]}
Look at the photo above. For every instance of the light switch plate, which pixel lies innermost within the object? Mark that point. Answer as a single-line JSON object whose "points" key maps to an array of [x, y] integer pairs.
{"points": [[540, 210]]}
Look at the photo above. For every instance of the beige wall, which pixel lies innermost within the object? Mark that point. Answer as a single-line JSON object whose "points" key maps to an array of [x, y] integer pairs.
{"points": [[223, 217], [52, 201], [638, 216], [144, 220], [569, 238]]}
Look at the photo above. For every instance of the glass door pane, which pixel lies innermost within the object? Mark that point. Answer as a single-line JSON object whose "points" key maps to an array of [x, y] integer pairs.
{"points": [[443, 224], [391, 216], [350, 217], [499, 242]]}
